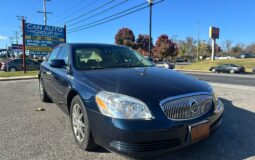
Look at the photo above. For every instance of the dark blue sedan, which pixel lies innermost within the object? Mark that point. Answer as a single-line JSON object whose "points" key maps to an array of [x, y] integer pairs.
{"points": [[119, 100]]}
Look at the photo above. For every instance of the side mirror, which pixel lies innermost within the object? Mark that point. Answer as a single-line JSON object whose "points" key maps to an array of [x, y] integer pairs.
{"points": [[57, 63], [150, 59]]}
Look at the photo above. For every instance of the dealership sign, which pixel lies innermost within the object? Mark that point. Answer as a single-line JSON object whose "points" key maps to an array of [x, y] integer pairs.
{"points": [[214, 32], [41, 39]]}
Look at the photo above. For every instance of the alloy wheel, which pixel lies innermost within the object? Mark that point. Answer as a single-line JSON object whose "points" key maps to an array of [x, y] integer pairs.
{"points": [[12, 69], [41, 88], [78, 122]]}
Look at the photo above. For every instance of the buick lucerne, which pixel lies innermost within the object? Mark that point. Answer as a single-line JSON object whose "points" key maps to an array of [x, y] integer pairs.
{"points": [[119, 100]]}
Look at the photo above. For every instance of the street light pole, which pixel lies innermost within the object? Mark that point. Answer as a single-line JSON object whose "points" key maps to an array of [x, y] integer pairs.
{"points": [[150, 43], [198, 42]]}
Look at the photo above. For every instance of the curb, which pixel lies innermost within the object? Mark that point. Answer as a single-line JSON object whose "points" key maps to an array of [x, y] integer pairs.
{"points": [[232, 86], [188, 70], [18, 78]]}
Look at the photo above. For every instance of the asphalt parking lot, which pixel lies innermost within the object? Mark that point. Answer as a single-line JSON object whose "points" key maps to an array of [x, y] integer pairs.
{"points": [[46, 135]]}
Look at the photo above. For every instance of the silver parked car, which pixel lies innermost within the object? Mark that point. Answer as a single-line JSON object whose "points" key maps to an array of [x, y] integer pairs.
{"points": [[165, 64], [17, 65]]}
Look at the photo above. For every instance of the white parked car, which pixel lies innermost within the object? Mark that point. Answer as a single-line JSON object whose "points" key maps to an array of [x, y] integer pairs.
{"points": [[165, 64]]}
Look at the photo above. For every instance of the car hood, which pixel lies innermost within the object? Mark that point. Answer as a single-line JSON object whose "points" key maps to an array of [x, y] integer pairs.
{"points": [[150, 84]]}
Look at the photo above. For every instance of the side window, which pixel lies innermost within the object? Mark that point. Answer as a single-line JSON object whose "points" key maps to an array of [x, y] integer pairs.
{"points": [[63, 54], [222, 66], [28, 62], [18, 62], [53, 54]]}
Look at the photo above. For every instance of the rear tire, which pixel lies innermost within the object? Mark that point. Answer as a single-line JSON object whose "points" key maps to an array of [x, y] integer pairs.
{"points": [[43, 95], [214, 70], [80, 125], [12, 69]]}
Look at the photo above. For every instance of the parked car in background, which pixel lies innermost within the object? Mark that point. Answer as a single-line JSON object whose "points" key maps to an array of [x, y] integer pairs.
{"points": [[165, 64], [226, 57], [228, 68], [119, 100], [253, 70], [247, 55], [17, 65]]}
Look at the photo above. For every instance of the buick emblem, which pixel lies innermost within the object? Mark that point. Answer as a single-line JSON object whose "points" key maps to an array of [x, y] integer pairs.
{"points": [[194, 106]]}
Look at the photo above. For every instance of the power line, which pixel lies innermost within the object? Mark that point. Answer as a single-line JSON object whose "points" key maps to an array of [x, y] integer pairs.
{"points": [[91, 11], [113, 18], [94, 15], [76, 11], [66, 10], [116, 14]]}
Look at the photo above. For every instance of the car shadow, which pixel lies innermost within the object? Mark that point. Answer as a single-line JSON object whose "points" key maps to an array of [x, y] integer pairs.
{"points": [[99, 149], [235, 139]]}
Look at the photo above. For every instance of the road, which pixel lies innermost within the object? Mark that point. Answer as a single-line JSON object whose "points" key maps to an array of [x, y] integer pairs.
{"points": [[236, 79], [46, 135]]}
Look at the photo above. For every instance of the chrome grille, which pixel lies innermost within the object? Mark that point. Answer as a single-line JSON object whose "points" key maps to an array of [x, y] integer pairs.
{"points": [[180, 107]]}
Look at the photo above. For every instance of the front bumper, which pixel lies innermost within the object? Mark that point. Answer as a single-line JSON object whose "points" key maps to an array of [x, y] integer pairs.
{"points": [[151, 138]]}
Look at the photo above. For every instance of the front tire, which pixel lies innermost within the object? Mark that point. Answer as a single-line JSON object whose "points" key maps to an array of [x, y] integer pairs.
{"points": [[43, 95], [80, 125], [214, 70], [232, 71]]}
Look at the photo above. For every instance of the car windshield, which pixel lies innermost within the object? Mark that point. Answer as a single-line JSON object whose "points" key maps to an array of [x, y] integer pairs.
{"points": [[87, 58]]}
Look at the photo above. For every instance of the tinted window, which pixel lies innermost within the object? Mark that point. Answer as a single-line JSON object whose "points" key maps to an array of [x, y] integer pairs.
{"points": [[30, 62], [17, 61], [222, 66], [108, 57], [53, 54], [63, 54]]}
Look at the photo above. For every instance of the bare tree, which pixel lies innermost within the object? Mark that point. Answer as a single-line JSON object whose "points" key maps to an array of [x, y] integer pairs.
{"points": [[250, 48], [228, 45]]}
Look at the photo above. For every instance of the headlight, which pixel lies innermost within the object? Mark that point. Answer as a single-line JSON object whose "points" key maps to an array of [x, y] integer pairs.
{"points": [[217, 103], [121, 106]]}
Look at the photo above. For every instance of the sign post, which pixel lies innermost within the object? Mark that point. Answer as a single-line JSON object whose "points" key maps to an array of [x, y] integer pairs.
{"points": [[214, 34], [24, 46]]}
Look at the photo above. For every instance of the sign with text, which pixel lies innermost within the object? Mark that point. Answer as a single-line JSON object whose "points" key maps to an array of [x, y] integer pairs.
{"points": [[41, 39], [214, 32]]}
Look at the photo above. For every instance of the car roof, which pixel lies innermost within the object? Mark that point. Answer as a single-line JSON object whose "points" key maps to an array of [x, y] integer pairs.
{"points": [[92, 45]]}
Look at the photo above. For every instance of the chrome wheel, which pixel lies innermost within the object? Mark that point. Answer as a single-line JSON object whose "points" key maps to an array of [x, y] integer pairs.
{"points": [[41, 88], [78, 122], [232, 71], [12, 69]]}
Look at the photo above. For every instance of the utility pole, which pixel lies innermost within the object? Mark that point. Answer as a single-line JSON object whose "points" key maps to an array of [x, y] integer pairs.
{"points": [[150, 23], [16, 37], [45, 12]]}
